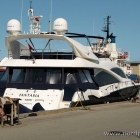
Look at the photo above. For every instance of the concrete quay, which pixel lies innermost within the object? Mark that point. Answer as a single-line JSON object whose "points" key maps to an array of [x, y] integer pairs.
{"points": [[120, 120]]}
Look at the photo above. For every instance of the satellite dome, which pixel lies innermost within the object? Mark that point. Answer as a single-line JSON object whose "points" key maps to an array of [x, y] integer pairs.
{"points": [[13, 27], [60, 26]]}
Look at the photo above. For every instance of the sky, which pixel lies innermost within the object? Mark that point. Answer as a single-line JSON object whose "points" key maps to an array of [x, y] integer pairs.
{"points": [[82, 16]]}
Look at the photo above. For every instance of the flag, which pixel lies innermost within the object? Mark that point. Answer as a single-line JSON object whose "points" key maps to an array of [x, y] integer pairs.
{"points": [[30, 47], [36, 19]]}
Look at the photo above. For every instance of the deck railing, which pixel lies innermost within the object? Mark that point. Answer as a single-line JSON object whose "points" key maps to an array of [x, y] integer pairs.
{"points": [[41, 54]]}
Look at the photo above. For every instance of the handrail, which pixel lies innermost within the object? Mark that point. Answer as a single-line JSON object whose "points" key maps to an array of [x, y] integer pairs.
{"points": [[42, 53]]}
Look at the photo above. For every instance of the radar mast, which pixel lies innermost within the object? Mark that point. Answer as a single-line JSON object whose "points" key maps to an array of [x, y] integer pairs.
{"points": [[106, 27], [34, 21]]}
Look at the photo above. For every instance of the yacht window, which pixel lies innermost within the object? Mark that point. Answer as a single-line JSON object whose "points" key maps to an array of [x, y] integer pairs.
{"points": [[53, 76], [37, 75], [28, 76], [71, 79], [82, 76], [104, 78], [17, 76], [1, 74], [34, 75], [5, 76], [119, 72], [88, 76]]}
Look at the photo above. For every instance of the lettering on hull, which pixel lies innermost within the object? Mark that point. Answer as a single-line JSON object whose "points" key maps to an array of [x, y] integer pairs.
{"points": [[28, 95]]}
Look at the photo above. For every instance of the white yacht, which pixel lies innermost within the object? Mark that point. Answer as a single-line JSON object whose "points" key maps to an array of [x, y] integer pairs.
{"points": [[50, 71]]}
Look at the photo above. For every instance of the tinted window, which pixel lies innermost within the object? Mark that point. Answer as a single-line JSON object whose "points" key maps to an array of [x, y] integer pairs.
{"points": [[53, 76], [82, 76], [1, 74], [70, 78], [17, 76], [28, 76], [37, 75], [5, 76], [34, 75], [88, 76], [119, 72], [85, 76], [104, 78]]}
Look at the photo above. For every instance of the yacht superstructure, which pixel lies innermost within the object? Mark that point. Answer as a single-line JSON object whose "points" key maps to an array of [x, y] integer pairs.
{"points": [[60, 72], [108, 49]]}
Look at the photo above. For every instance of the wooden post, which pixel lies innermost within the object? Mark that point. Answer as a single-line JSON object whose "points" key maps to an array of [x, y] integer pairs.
{"points": [[2, 121], [12, 114], [18, 110], [15, 111]]}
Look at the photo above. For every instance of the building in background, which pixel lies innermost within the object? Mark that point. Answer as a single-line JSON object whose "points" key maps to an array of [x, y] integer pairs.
{"points": [[135, 67]]}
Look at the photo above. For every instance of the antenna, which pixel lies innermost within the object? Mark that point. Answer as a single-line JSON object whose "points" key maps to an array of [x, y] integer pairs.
{"points": [[21, 14], [30, 11], [50, 16], [106, 27], [93, 30], [30, 4], [34, 21], [49, 27]]}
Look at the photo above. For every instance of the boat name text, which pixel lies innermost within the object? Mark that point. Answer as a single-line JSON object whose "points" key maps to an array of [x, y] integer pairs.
{"points": [[28, 95]]}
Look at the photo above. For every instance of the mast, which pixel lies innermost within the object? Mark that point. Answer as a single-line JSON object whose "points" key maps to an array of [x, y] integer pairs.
{"points": [[106, 27], [21, 13], [34, 21]]}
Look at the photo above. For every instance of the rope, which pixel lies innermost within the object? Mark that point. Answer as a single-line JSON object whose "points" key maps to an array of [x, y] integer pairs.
{"points": [[128, 97], [80, 102], [123, 96]]}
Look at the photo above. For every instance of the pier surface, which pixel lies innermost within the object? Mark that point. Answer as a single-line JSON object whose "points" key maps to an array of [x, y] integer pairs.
{"points": [[119, 120]]}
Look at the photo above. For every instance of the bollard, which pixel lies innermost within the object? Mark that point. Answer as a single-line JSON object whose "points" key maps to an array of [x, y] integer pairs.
{"points": [[2, 115]]}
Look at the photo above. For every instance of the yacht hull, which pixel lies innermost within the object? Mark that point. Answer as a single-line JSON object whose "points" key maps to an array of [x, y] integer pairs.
{"points": [[119, 95], [124, 94]]}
